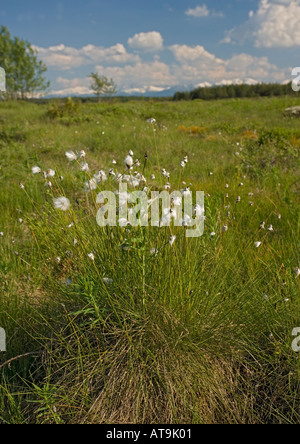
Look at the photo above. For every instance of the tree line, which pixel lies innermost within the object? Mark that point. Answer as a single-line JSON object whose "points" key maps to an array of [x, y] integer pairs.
{"points": [[236, 91]]}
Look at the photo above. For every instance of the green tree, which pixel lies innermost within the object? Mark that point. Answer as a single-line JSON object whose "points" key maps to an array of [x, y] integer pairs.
{"points": [[24, 72], [101, 86]]}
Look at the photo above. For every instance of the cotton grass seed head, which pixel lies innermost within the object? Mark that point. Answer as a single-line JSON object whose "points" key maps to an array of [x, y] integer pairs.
{"points": [[172, 240], [61, 203], [71, 156], [36, 170]]}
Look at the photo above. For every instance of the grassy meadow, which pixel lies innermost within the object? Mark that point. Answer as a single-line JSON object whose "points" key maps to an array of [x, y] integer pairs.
{"points": [[116, 325]]}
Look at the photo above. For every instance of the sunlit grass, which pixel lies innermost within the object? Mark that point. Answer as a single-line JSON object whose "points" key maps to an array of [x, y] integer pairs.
{"points": [[115, 325]]}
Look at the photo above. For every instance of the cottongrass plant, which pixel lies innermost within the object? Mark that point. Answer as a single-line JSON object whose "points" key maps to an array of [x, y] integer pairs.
{"points": [[141, 324]]}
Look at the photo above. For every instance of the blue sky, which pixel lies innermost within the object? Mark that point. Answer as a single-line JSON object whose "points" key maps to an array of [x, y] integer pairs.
{"points": [[153, 45]]}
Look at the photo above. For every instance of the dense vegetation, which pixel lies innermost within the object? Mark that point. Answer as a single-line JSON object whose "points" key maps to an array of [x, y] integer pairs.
{"points": [[24, 72], [117, 325], [237, 91]]}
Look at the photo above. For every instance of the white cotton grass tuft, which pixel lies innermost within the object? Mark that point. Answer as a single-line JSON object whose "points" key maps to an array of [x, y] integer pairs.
{"points": [[36, 170], [107, 281], [84, 167], [225, 228], [71, 156], [270, 228], [61, 203], [257, 244], [297, 271], [172, 240], [49, 173], [128, 162], [91, 257]]}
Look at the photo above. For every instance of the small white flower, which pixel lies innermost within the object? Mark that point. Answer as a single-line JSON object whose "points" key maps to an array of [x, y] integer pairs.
{"points": [[58, 259], [238, 199], [48, 184], [36, 170], [154, 251], [21, 186], [185, 159], [279, 216], [130, 153], [224, 228], [186, 192], [212, 234], [75, 242], [91, 257], [257, 244], [61, 203], [50, 173], [128, 161], [152, 177], [1, 233], [177, 200], [226, 186], [20, 220], [198, 210], [82, 154], [172, 240], [297, 271], [90, 185], [270, 228], [114, 162], [107, 281], [241, 184], [100, 176], [84, 167], [182, 164], [211, 173], [262, 225], [70, 155], [151, 120]]}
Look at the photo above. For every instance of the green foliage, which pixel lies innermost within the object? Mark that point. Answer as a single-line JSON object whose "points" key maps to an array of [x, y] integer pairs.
{"points": [[239, 91], [24, 72], [199, 332], [102, 86], [63, 108]]}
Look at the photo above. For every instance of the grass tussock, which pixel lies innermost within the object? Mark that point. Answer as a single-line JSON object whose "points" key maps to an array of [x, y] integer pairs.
{"points": [[142, 324]]}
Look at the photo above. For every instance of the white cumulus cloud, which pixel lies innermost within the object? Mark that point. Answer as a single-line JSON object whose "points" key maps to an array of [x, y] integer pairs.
{"points": [[146, 41], [202, 11], [65, 57], [274, 24]]}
